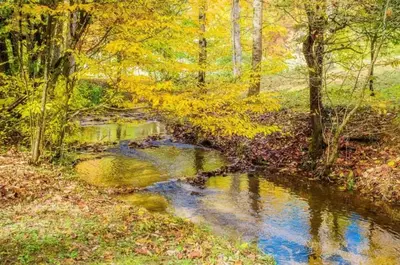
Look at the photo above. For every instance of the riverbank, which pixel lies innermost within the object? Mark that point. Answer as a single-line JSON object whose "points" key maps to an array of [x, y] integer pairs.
{"points": [[368, 163], [49, 216]]}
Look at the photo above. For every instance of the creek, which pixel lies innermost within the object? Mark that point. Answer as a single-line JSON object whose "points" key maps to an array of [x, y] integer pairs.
{"points": [[295, 221]]}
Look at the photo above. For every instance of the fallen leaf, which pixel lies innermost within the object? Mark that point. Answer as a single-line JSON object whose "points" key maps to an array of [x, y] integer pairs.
{"points": [[195, 254]]}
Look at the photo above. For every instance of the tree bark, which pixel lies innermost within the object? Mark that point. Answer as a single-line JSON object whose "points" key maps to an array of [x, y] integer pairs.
{"points": [[313, 50], [64, 120], [372, 53], [202, 44], [257, 47], [15, 47], [48, 84], [5, 66], [68, 30], [237, 46]]}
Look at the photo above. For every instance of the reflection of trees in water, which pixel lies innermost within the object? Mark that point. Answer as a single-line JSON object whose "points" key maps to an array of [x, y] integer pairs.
{"points": [[235, 186], [315, 226], [337, 233], [255, 202], [372, 243], [98, 133], [254, 194], [119, 129], [117, 171], [199, 160], [372, 246], [158, 128], [108, 134]]}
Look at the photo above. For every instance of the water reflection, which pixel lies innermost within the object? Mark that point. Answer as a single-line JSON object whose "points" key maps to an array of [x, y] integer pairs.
{"points": [[148, 166], [297, 225], [119, 171], [199, 160], [179, 162], [117, 132], [151, 202]]}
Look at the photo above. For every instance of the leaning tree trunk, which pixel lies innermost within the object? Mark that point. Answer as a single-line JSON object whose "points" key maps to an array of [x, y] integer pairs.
{"points": [[202, 44], [313, 49], [257, 48], [237, 47]]}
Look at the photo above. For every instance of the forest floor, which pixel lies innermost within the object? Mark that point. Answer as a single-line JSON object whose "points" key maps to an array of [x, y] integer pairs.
{"points": [[50, 216]]}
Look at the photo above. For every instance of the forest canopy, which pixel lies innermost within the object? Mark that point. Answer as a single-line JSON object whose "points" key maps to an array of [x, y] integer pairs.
{"points": [[212, 65], [276, 122]]}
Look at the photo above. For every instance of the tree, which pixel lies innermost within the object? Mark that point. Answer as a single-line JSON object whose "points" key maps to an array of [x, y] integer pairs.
{"points": [[369, 24], [255, 85], [158, 51], [202, 43], [58, 60], [313, 50], [43, 39], [237, 46], [360, 83]]}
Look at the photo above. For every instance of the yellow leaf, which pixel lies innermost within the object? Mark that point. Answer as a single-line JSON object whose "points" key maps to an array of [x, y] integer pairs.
{"points": [[392, 164]]}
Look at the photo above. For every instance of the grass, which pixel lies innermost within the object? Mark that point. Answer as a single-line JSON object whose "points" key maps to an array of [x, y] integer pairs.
{"points": [[387, 93], [53, 218]]}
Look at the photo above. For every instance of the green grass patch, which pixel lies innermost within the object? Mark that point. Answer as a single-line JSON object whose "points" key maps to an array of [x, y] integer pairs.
{"points": [[387, 94]]}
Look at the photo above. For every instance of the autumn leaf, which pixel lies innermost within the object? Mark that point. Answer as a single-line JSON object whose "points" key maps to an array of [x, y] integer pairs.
{"points": [[143, 251], [195, 254]]}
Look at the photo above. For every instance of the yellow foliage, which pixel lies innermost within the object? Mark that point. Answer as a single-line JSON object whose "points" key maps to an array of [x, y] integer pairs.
{"points": [[153, 53], [223, 109]]}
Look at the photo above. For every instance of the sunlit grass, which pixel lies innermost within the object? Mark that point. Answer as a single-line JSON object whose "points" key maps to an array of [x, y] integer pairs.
{"points": [[387, 94]]}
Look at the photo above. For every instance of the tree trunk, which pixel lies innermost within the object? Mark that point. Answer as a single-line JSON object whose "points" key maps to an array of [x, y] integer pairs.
{"points": [[202, 44], [41, 125], [68, 31], [69, 69], [15, 47], [237, 46], [257, 47], [372, 53], [313, 49], [48, 84], [71, 30], [64, 120], [4, 60]]}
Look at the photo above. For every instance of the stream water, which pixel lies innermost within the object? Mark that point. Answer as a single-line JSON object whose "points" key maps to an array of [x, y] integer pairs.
{"points": [[296, 222]]}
